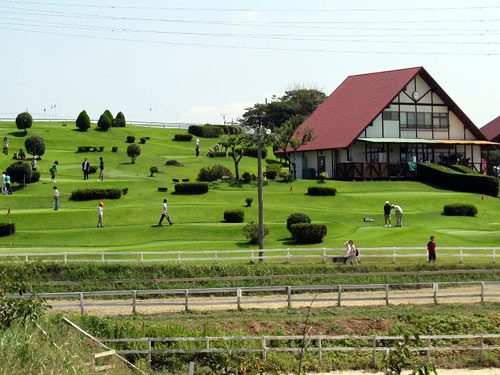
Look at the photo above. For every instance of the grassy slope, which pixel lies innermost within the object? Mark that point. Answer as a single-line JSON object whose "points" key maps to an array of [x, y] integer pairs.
{"points": [[130, 221]]}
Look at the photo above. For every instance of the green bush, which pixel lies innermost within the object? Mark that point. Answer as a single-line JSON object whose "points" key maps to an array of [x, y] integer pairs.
{"points": [[114, 149], [297, 218], [285, 175], [153, 170], [35, 145], [234, 216], [272, 171], [120, 120], [323, 176], [6, 229], [92, 169], [133, 151], [213, 173], [252, 152], [246, 177], [35, 177], [89, 149], [216, 154], [191, 188], [463, 169], [94, 194], [249, 201], [321, 190], [173, 163], [105, 122], [460, 209], [183, 137], [24, 121], [130, 139], [19, 172], [142, 140], [441, 176], [252, 232], [308, 233], [83, 121], [206, 131]]}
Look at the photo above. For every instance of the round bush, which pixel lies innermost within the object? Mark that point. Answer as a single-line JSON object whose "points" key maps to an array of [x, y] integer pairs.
{"points": [[320, 190], [130, 139], [105, 122], [460, 209], [20, 172], [252, 232], [35, 145], [114, 149], [120, 120], [183, 137], [83, 121], [173, 163], [35, 177], [92, 169], [133, 151], [234, 216], [308, 233], [191, 188], [213, 173], [24, 121], [297, 218], [6, 229]]}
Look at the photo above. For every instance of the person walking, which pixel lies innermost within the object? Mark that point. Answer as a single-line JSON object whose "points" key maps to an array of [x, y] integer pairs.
{"points": [[33, 164], [100, 215], [164, 213], [101, 168], [399, 215], [7, 184], [4, 190], [431, 250], [53, 171], [353, 253], [6, 145], [56, 198], [387, 214], [85, 169]]}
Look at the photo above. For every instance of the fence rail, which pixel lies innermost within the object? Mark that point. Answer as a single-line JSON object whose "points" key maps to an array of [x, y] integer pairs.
{"points": [[237, 297], [324, 254], [309, 343]]}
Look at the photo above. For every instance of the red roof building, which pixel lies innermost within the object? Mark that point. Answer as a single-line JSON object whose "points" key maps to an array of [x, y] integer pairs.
{"points": [[492, 130], [373, 125]]}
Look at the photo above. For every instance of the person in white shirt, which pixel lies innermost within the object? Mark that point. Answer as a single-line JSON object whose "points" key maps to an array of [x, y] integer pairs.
{"points": [[56, 198], [164, 213], [352, 253], [4, 189], [100, 215], [399, 215]]}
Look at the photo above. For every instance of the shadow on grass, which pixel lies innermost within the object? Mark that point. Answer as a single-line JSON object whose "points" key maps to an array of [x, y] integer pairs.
{"points": [[18, 134]]}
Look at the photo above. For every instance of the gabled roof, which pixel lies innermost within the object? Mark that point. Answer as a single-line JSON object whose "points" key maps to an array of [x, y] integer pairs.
{"points": [[346, 113], [492, 129]]}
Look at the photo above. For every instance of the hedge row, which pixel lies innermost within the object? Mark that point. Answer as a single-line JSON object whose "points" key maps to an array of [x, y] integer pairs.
{"points": [[6, 229], [183, 137], [92, 194], [308, 233], [450, 179], [296, 218], [212, 131], [460, 209], [463, 169], [321, 190], [191, 188], [234, 216], [90, 149]]}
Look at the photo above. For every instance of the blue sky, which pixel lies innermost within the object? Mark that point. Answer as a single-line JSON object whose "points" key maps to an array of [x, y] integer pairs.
{"points": [[213, 57]]}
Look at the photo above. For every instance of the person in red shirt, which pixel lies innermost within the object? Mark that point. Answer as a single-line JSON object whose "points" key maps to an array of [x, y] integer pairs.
{"points": [[431, 249]]}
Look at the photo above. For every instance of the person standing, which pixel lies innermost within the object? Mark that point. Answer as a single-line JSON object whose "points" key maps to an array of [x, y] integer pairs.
{"points": [[7, 184], [56, 198], [164, 213], [197, 149], [399, 215], [4, 190], [431, 249], [100, 215], [53, 171], [387, 214], [85, 169], [33, 164], [6, 145], [101, 168]]}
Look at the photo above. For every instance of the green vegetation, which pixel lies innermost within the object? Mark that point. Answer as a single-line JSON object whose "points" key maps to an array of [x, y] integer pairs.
{"points": [[119, 120], [35, 145], [24, 121], [460, 209], [83, 121], [308, 233]]}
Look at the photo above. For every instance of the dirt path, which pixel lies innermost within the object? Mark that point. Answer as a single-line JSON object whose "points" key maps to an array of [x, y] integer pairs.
{"points": [[275, 301]]}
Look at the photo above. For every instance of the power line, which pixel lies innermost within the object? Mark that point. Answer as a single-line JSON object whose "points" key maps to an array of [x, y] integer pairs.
{"points": [[256, 48]]}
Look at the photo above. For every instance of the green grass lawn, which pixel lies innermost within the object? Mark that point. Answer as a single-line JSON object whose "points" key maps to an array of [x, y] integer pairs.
{"points": [[130, 221]]}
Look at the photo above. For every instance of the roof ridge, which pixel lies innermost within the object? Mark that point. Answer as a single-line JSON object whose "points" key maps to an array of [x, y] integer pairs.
{"points": [[387, 71]]}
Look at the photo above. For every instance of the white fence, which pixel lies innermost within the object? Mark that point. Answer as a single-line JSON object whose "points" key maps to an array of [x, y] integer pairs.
{"points": [[324, 254], [296, 344], [287, 296]]}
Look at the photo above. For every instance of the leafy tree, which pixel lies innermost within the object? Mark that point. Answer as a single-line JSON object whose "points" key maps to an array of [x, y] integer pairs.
{"points": [[105, 122], [108, 113], [237, 143], [120, 120], [20, 172], [133, 151], [24, 121], [35, 145], [83, 121]]}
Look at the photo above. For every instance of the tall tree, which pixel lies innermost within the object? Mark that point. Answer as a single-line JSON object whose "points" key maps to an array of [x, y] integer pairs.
{"points": [[24, 121], [237, 143]]}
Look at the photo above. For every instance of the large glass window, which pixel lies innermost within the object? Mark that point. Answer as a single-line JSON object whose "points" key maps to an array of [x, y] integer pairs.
{"points": [[440, 120], [423, 120], [390, 115]]}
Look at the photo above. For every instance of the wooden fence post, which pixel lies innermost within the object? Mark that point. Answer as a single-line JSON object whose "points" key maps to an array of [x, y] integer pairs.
{"points": [[186, 300], [82, 310], [238, 298], [387, 294], [428, 350], [289, 296], [374, 351], [150, 348], [435, 287], [461, 256], [394, 255], [320, 353], [134, 297], [102, 257], [324, 255], [339, 296], [65, 257], [264, 348], [481, 352], [191, 368], [482, 291]]}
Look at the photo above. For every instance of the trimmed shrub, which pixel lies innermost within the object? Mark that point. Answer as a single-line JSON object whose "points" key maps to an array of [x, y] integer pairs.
{"points": [[24, 121], [323, 176], [297, 218], [153, 170], [142, 140], [191, 188], [83, 121], [89, 149], [206, 131], [108, 113], [272, 171], [213, 173], [308, 233], [130, 139], [35, 145], [19, 172], [6, 229], [252, 152], [216, 154], [460, 209], [249, 202], [114, 149], [463, 169], [94, 194], [120, 120], [173, 163], [321, 190], [105, 122], [35, 177], [285, 175], [133, 151], [100, 149], [234, 216], [246, 177], [450, 179], [125, 191], [183, 137], [252, 232], [92, 169]]}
